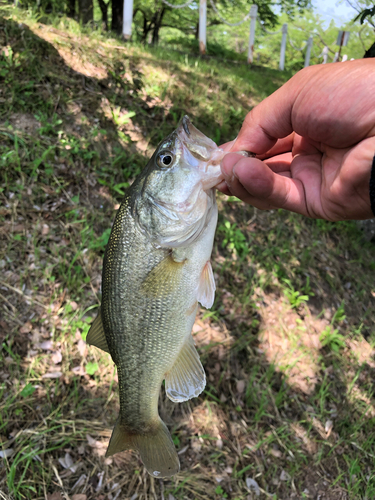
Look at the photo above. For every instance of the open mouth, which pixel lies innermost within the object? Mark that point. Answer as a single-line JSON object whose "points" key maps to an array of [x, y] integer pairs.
{"points": [[185, 122]]}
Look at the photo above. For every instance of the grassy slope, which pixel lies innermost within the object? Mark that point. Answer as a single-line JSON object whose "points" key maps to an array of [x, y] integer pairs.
{"points": [[288, 345]]}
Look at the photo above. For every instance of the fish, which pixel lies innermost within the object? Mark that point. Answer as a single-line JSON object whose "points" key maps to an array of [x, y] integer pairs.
{"points": [[156, 270]]}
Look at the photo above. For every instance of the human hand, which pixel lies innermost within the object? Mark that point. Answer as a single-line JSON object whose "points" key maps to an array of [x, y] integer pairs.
{"points": [[315, 141]]}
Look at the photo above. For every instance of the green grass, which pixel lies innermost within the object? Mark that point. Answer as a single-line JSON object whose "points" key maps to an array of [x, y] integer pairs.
{"points": [[287, 346]]}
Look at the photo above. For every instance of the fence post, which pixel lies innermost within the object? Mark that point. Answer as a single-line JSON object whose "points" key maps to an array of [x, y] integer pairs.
{"points": [[253, 18], [308, 51], [325, 54], [128, 19], [284, 31], [202, 26]]}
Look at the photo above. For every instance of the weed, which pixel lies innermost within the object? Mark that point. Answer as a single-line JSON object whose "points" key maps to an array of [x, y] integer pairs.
{"points": [[339, 315], [233, 239], [294, 296], [332, 339]]}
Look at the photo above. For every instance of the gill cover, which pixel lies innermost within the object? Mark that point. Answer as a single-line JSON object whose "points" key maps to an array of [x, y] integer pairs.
{"points": [[174, 200]]}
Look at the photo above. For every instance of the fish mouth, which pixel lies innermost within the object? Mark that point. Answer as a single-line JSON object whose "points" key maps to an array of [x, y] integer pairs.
{"points": [[185, 122], [194, 140], [207, 156]]}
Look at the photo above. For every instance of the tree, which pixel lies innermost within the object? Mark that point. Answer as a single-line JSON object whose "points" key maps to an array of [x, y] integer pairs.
{"points": [[151, 15], [117, 13], [148, 17], [104, 9], [366, 15], [85, 11]]}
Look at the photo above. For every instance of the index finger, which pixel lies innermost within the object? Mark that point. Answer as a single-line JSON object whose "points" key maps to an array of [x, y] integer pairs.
{"points": [[267, 122], [325, 103]]}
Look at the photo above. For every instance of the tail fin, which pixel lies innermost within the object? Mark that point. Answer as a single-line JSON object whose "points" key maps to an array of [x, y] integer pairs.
{"points": [[156, 448]]}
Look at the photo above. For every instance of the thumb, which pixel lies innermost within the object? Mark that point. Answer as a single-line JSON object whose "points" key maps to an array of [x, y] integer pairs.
{"points": [[255, 183]]}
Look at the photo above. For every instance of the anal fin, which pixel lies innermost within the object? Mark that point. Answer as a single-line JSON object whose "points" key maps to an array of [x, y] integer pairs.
{"points": [[206, 287], [186, 379], [96, 335], [155, 446]]}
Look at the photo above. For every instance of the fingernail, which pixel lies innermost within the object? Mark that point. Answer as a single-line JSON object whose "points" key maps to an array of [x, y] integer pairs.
{"points": [[233, 144], [227, 166]]}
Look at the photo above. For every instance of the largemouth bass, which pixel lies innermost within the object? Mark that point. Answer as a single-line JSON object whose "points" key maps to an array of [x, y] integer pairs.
{"points": [[156, 269]]}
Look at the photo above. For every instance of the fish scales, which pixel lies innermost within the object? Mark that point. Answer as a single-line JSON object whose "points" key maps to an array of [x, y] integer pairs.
{"points": [[156, 269], [123, 279]]}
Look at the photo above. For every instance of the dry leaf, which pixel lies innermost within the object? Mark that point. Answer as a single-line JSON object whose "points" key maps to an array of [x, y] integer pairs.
{"points": [[284, 476], [56, 357], [80, 481], [81, 347], [6, 453], [196, 446], [46, 345], [52, 375], [67, 463], [241, 386], [26, 328], [253, 486], [98, 446], [328, 427], [79, 496], [276, 453], [55, 496], [100, 482], [78, 370]]}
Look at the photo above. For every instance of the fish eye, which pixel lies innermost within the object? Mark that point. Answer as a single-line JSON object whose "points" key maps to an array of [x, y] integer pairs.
{"points": [[165, 159]]}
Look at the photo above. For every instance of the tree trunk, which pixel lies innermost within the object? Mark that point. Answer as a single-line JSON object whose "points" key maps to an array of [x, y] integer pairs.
{"points": [[117, 14], [157, 25], [86, 11], [371, 51], [104, 8], [71, 11], [146, 28]]}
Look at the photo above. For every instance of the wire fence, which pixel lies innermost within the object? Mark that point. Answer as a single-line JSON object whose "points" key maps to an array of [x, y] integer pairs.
{"points": [[181, 6], [315, 39]]}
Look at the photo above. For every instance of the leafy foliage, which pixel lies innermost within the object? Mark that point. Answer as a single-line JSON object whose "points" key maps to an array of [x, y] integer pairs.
{"points": [[368, 12]]}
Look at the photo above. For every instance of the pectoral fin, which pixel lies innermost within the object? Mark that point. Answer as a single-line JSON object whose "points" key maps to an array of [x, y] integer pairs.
{"points": [[207, 287], [186, 379], [96, 335], [164, 278]]}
